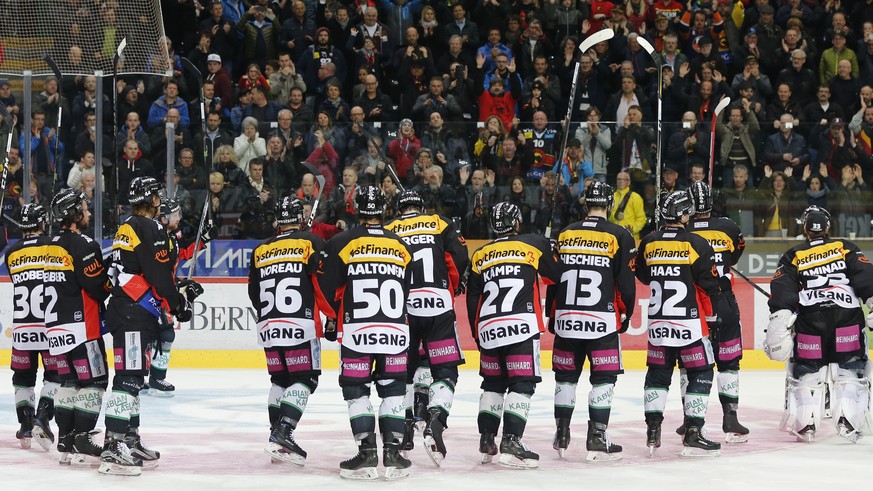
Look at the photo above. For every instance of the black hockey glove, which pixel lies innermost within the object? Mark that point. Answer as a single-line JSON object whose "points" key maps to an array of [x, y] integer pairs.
{"points": [[190, 288], [625, 324], [184, 314], [209, 233], [552, 325], [330, 330]]}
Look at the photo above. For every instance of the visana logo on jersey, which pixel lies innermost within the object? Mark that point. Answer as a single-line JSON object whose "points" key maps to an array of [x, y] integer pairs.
{"points": [[504, 331], [584, 325], [285, 332], [383, 337]]}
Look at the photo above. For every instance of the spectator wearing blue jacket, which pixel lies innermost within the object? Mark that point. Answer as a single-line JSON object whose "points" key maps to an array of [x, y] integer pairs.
{"points": [[170, 99]]}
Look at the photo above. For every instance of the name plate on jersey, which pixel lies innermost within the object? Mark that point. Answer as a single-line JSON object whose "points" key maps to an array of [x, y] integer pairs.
{"points": [[576, 324], [380, 338], [29, 337], [62, 339], [503, 331], [428, 302], [674, 333], [285, 332]]}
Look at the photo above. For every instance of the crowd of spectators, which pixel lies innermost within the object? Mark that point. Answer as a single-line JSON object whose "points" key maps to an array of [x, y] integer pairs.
{"points": [[464, 101]]}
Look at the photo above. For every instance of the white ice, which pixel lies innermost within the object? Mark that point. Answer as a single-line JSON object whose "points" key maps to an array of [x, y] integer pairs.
{"points": [[212, 433]]}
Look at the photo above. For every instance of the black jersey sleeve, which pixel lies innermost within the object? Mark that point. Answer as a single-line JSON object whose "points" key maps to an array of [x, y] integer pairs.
{"points": [[640, 269], [153, 255], [785, 284], [860, 272], [332, 273], [90, 269], [549, 267], [457, 258], [705, 273], [474, 296], [624, 273]]}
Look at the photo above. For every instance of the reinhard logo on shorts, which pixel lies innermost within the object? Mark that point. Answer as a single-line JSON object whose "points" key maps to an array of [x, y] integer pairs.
{"points": [[133, 354]]}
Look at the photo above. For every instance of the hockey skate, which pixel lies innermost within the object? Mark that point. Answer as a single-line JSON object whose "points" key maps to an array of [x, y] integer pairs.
{"points": [[847, 431], [363, 465], [600, 448], [433, 436], [515, 454], [25, 432], [734, 432], [562, 436], [680, 430], [487, 447], [159, 388], [408, 442], [42, 431], [283, 447], [697, 445], [85, 451], [653, 436], [116, 460], [65, 448], [419, 411], [805, 434], [396, 466], [148, 456]]}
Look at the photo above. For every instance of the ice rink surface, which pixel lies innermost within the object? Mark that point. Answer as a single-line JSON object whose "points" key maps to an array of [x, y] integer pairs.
{"points": [[212, 433]]}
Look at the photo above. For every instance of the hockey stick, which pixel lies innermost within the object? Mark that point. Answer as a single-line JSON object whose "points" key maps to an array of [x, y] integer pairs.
{"points": [[749, 281], [115, 60], [205, 213], [319, 178], [7, 120], [718, 109], [59, 76], [651, 50], [371, 140], [588, 43]]}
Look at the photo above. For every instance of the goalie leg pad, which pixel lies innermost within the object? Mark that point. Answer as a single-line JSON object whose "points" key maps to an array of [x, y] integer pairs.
{"points": [[805, 402], [851, 402]]}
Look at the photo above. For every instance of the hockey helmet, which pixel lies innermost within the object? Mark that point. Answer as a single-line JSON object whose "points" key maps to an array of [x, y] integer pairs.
{"points": [[67, 204], [816, 220], [170, 206], [370, 201], [141, 188], [675, 205], [504, 216], [701, 197], [599, 194], [289, 211], [30, 217], [410, 199]]}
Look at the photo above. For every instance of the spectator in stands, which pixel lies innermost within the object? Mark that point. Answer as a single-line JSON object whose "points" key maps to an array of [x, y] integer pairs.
{"points": [[215, 137], [50, 100], [448, 148], [404, 149], [461, 26], [633, 147], [786, 148], [845, 88], [313, 61], [281, 163], [376, 105], [339, 208], [85, 164], [191, 176], [515, 161], [517, 194], [302, 113], [256, 220], [439, 197], [740, 199], [323, 156], [170, 100], [830, 58], [298, 30], [220, 78], [738, 141], [777, 208], [862, 128], [535, 101], [495, 100], [597, 141], [222, 34], [132, 130], [799, 78], [372, 164], [848, 203], [834, 147], [285, 79], [259, 186], [253, 78], [181, 139], [412, 50], [83, 104], [534, 43], [490, 141], [816, 186], [87, 138], [334, 104], [630, 95], [554, 201], [783, 104], [628, 209], [479, 197], [688, 146], [249, 145], [131, 165], [227, 165], [434, 100], [222, 200], [424, 160], [455, 54], [370, 27], [492, 48], [460, 85], [46, 151], [260, 36]]}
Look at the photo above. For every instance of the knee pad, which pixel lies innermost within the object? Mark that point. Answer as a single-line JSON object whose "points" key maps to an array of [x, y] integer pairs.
{"points": [[390, 388], [352, 392], [805, 400], [659, 377], [24, 378], [600, 379], [526, 387], [311, 383], [282, 379], [130, 384], [852, 396], [167, 335], [445, 373], [728, 366], [493, 385], [699, 381]]}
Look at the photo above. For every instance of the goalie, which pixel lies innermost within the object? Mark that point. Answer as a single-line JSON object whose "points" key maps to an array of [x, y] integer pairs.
{"points": [[816, 320]]}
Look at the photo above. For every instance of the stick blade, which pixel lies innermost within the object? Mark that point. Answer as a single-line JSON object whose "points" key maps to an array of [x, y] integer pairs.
{"points": [[597, 37], [646, 45], [121, 46], [191, 67], [721, 105]]}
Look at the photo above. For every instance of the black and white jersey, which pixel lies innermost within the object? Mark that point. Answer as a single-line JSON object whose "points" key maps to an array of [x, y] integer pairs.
{"points": [[503, 292], [25, 261], [439, 257], [75, 285], [363, 272], [821, 273], [597, 285], [727, 243], [544, 146], [678, 267], [283, 289]]}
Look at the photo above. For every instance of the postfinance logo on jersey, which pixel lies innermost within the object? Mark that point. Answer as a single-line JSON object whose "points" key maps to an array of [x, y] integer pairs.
{"points": [[125, 239], [669, 252], [509, 252], [375, 249], [27, 258], [719, 240], [421, 224], [587, 242], [283, 251], [57, 259], [819, 255]]}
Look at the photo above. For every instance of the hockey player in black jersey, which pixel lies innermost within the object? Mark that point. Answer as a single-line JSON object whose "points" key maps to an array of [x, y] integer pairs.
{"points": [[439, 256], [364, 274], [285, 294], [142, 283], [678, 267], [588, 309], [75, 287], [506, 317], [816, 290], [25, 261], [728, 245]]}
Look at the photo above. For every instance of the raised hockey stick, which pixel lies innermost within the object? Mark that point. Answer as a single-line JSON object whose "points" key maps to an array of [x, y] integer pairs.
{"points": [[588, 43], [191, 67], [319, 178], [716, 114], [59, 76], [651, 50], [115, 59], [7, 121], [749, 281]]}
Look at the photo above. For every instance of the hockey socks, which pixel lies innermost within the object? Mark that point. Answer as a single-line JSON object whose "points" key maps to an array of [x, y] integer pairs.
{"points": [[274, 401], [361, 416], [729, 396], [119, 410], [24, 397], [490, 412], [161, 361], [600, 403], [392, 418], [565, 400], [293, 402], [87, 408]]}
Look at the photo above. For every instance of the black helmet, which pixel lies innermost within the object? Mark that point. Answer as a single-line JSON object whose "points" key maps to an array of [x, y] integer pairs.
{"points": [[676, 204], [701, 197], [410, 198], [169, 206], [816, 220], [289, 211], [599, 194], [370, 201], [141, 188], [504, 216], [30, 217], [67, 204]]}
